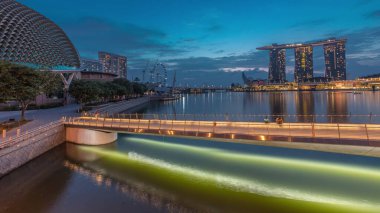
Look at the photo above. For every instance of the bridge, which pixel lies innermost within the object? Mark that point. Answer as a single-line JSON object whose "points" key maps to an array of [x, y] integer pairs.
{"points": [[87, 128]]}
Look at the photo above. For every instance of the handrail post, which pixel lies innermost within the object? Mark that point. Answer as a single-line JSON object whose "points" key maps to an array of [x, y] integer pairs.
{"points": [[199, 125], [366, 131], [138, 125], [184, 127], [338, 131], [129, 122]]}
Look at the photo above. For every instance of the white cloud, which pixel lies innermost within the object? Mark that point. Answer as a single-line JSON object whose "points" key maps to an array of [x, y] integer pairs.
{"points": [[243, 69]]}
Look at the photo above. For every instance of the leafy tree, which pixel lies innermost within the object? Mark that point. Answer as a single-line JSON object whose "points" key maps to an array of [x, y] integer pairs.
{"points": [[125, 87], [115, 90], [22, 84], [52, 83], [85, 91], [139, 89]]}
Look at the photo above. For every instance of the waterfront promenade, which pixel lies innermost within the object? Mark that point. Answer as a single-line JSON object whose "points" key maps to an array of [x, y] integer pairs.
{"points": [[43, 117], [38, 118]]}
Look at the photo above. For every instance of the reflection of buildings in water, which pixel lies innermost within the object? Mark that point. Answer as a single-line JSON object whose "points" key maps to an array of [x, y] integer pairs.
{"points": [[305, 106], [337, 105], [277, 104], [135, 189], [251, 100]]}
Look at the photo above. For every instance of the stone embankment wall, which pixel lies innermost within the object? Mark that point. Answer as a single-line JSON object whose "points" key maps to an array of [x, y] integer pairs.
{"points": [[31, 147]]}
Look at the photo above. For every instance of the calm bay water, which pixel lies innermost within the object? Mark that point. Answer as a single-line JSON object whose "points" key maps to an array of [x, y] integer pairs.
{"points": [[160, 174], [305, 106], [166, 174]]}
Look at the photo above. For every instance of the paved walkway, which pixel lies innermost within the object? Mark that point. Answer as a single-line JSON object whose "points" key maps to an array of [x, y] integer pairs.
{"points": [[122, 106], [39, 117]]}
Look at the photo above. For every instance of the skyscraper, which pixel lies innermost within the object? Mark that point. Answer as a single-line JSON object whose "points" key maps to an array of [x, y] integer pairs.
{"points": [[277, 66], [303, 69], [113, 63], [335, 60]]}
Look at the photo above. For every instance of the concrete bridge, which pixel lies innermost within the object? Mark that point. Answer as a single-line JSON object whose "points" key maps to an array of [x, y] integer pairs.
{"points": [[99, 130]]}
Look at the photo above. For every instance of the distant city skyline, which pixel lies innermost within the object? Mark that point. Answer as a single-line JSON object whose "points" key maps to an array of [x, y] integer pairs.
{"points": [[212, 42]]}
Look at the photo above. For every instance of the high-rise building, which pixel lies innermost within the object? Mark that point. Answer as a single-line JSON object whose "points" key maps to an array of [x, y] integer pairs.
{"points": [[277, 66], [335, 60], [91, 65], [303, 69], [113, 63]]}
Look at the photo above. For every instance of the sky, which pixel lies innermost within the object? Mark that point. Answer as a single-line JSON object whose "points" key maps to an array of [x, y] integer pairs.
{"points": [[212, 41]]}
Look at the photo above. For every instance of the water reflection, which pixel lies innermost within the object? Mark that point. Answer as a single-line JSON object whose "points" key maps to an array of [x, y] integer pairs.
{"points": [[139, 191], [277, 105], [35, 186], [300, 106], [337, 105], [158, 174], [305, 106]]}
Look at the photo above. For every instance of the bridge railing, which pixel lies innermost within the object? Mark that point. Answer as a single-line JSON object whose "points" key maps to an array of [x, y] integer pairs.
{"points": [[30, 134], [292, 118], [262, 130]]}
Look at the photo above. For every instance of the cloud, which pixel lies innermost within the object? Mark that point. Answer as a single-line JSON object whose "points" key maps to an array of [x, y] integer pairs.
{"points": [[214, 28], [363, 3], [92, 34], [373, 15], [244, 69]]}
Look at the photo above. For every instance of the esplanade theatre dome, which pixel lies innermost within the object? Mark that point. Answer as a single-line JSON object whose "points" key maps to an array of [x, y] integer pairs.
{"points": [[30, 38]]}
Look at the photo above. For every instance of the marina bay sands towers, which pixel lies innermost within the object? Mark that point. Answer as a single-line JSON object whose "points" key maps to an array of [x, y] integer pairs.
{"points": [[335, 60]]}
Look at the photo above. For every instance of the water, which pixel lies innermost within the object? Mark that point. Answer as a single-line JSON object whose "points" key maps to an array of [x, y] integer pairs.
{"points": [[313, 105], [161, 174]]}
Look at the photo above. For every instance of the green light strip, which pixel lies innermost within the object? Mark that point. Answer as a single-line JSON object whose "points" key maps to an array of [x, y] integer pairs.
{"points": [[236, 183], [278, 161]]}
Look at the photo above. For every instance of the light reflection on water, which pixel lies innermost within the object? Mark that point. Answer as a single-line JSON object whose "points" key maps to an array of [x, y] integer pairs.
{"points": [[306, 103], [159, 174], [138, 191]]}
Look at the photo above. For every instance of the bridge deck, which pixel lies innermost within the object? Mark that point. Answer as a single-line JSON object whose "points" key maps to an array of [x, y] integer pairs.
{"points": [[351, 134]]}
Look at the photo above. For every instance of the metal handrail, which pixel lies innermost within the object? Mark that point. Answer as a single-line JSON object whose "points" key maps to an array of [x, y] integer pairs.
{"points": [[336, 131], [317, 118]]}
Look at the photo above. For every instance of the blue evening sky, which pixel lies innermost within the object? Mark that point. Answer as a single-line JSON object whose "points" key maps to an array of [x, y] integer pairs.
{"points": [[213, 41]]}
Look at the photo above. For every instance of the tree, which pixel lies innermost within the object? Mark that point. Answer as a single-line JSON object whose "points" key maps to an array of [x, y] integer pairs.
{"points": [[125, 87], [138, 89], [85, 91], [52, 83], [22, 84]]}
